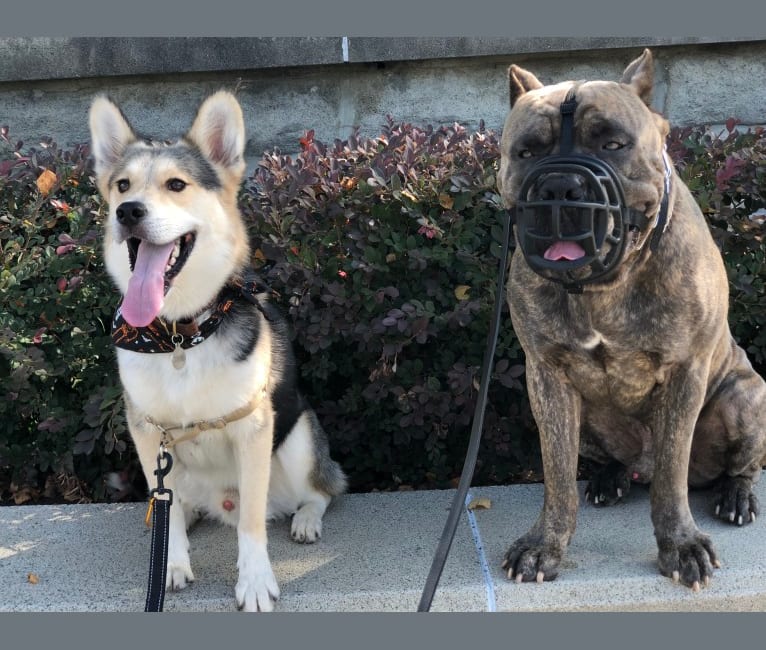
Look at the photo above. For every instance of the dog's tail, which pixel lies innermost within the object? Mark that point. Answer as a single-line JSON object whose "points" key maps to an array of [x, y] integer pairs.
{"points": [[328, 477]]}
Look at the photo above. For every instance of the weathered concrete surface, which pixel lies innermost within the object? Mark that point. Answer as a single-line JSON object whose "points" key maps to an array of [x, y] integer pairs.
{"points": [[374, 556], [290, 85]]}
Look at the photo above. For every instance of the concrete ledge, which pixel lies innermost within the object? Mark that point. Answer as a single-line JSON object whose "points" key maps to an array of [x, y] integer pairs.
{"points": [[289, 85], [26, 59], [48, 58], [374, 556]]}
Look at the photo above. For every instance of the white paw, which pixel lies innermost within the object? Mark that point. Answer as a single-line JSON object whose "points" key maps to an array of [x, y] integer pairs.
{"points": [[257, 592], [307, 524], [257, 587], [179, 565], [179, 575]]}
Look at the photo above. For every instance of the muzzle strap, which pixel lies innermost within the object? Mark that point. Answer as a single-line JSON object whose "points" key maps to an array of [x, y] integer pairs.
{"points": [[567, 108], [664, 212]]}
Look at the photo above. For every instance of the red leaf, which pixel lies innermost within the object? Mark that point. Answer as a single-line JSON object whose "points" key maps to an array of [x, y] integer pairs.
{"points": [[307, 139], [727, 172]]}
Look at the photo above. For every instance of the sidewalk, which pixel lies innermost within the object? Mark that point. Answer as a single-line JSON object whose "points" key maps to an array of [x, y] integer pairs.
{"points": [[374, 556]]}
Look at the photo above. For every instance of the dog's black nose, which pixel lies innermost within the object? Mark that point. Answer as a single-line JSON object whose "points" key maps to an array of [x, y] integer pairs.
{"points": [[561, 187], [130, 212]]}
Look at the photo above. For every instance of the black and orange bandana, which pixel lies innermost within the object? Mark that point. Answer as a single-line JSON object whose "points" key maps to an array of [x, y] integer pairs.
{"points": [[163, 337]]}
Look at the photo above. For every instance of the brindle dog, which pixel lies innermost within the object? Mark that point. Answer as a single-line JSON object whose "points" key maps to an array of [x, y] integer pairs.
{"points": [[638, 371]]}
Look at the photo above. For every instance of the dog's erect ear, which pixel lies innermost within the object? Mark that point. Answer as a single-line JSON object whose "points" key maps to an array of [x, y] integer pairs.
{"points": [[110, 134], [219, 131], [640, 76], [521, 81]]}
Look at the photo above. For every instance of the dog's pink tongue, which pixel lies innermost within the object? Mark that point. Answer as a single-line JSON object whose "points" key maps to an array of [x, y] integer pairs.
{"points": [[564, 250], [146, 289]]}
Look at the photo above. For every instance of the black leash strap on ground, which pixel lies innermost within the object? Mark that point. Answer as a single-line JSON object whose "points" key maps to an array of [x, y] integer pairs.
{"points": [[458, 503], [160, 501]]}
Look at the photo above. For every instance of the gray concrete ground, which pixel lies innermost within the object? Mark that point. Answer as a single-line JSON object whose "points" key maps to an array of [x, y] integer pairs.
{"points": [[374, 556]]}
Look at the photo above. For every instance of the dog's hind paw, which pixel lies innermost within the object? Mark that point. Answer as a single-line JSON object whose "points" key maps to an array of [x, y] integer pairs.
{"points": [[608, 485], [306, 527], [735, 501]]}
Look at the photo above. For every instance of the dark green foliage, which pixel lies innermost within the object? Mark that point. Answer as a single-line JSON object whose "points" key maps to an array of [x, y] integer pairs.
{"points": [[60, 402], [383, 253]]}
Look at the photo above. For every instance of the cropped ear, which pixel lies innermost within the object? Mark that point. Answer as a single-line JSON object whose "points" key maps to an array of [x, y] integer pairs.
{"points": [[110, 134], [521, 81], [219, 131], [640, 76]]}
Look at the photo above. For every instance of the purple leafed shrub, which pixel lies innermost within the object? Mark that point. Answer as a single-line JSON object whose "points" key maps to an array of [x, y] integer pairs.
{"points": [[382, 252]]}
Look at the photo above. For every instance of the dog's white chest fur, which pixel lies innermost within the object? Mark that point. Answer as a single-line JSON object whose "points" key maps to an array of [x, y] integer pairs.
{"points": [[209, 385]]}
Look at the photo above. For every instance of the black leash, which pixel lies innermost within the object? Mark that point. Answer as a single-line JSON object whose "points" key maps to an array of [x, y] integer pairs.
{"points": [[445, 542], [159, 509]]}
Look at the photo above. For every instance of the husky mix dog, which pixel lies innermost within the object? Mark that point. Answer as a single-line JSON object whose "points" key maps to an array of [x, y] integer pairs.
{"points": [[204, 359]]}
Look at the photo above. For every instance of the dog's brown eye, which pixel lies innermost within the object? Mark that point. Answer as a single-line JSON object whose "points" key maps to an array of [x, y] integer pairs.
{"points": [[122, 185], [613, 145], [176, 185]]}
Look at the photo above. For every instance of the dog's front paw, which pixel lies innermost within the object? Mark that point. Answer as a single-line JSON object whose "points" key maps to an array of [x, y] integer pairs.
{"points": [[179, 575], [179, 571], [257, 587], [530, 558], [688, 559], [735, 501], [258, 591], [608, 485]]}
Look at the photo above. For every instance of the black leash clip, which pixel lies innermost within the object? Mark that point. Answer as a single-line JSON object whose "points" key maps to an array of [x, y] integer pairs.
{"points": [[161, 472]]}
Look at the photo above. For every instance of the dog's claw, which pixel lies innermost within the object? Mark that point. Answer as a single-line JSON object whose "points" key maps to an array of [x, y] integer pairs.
{"points": [[696, 586], [608, 485], [540, 577], [735, 501], [676, 576]]}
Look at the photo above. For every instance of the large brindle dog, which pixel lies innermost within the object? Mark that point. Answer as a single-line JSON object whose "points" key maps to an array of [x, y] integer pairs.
{"points": [[619, 298]]}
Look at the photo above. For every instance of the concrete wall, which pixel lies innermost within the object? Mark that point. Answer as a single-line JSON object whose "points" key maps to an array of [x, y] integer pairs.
{"points": [[289, 85]]}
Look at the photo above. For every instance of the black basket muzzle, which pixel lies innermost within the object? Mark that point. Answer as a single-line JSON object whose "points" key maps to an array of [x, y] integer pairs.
{"points": [[581, 224], [572, 223]]}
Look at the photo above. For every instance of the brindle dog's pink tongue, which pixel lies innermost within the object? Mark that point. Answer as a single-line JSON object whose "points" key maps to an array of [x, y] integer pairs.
{"points": [[146, 289], [564, 250]]}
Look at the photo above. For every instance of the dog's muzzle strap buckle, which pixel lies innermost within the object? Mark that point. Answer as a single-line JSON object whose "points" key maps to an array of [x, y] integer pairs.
{"points": [[159, 510]]}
